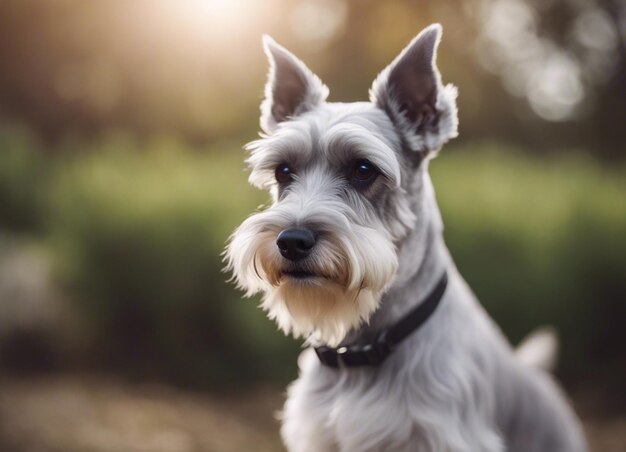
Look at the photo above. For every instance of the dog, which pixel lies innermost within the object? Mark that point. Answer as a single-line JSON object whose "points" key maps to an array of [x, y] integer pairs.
{"points": [[351, 257]]}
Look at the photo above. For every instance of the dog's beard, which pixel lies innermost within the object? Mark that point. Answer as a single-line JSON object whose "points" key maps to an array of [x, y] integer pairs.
{"points": [[349, 269]]}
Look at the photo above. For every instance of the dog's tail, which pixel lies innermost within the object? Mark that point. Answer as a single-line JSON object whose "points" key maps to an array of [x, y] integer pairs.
{"points": [[539, 349]]}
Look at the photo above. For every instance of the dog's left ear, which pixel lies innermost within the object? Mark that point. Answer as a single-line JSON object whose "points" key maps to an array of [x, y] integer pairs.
{"points": [[411, 92], [291, 87]]}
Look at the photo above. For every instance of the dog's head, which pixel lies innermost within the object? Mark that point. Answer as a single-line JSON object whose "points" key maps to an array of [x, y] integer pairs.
{"points": [[346, 182]]}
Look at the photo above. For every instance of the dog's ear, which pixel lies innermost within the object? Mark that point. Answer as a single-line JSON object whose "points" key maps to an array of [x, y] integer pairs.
{"points": [[411, 92], [291, 87]]}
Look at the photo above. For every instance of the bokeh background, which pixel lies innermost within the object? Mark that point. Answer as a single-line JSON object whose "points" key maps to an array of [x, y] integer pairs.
{"points": [[122, 175]]}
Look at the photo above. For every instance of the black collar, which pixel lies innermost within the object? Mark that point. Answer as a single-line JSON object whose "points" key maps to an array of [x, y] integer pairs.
{"points": [[387, 339]]}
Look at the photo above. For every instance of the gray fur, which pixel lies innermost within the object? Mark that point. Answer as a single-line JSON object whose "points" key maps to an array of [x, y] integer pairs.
{"points": [[455, 384]]}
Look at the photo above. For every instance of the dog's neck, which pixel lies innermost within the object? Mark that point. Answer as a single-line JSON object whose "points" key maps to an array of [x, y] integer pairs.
{"points": [[423, 257]]}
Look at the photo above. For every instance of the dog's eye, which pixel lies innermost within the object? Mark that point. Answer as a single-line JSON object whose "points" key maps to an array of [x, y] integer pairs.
{"points": [[283, 173], [363, 174]]}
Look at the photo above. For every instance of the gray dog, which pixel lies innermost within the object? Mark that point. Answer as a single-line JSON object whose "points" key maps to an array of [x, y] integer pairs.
{"points": [[351, 257]]}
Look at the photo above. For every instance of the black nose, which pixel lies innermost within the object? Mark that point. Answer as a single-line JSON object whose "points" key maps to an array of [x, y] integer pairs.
{"points": [[295, 244]]}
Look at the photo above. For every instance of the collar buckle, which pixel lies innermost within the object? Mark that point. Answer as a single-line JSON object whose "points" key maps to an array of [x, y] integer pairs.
{"points": [[356, 355]]}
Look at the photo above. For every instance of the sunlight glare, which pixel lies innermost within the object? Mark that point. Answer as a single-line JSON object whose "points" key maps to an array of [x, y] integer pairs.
{"points": [[216, 18]]}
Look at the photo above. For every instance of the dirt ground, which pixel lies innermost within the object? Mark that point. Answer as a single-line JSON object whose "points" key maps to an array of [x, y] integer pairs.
{"points": [[70, 413]]}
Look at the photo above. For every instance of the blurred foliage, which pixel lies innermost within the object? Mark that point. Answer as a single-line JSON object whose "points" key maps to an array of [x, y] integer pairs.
{"points": [[140, 236], [136, 238], [136, 228], [23, 180]]}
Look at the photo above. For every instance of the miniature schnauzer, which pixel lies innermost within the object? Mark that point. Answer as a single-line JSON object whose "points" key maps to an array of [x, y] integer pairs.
{"points": [[351, 256]]}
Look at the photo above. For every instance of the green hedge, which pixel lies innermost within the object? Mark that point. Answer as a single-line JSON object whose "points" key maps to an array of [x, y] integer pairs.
{"points": [[136, 229], [139, 235]]}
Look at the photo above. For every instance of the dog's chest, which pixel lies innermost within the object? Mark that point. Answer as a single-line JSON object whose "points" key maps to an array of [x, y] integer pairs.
{"points": [[384, 410], [328, 410]]}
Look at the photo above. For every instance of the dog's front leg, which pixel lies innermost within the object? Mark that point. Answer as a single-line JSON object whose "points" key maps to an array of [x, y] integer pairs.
{"points": [[305, 415]]}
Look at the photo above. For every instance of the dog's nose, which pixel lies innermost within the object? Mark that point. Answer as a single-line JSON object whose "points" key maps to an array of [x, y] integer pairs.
{"points": [[295, 244]]}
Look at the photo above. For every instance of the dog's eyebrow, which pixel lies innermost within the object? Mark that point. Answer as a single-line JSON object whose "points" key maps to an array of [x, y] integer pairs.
{"points": [[288, 145], [345, 142]]}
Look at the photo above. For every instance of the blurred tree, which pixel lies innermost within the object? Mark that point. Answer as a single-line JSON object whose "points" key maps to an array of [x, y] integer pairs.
{"points": [[545, 74]]}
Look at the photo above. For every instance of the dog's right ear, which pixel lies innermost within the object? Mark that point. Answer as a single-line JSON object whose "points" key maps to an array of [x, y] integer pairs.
{"points": [[291, 87]]}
